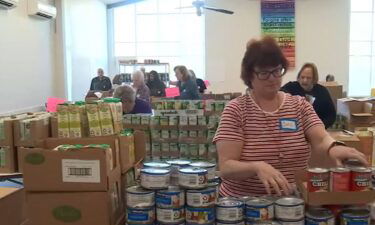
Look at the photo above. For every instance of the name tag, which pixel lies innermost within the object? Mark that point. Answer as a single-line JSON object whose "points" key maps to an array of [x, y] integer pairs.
{"points": [[288, 125]]}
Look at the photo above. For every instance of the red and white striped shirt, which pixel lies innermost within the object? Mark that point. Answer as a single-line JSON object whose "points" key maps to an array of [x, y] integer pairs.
{"points": [[264, 140]]}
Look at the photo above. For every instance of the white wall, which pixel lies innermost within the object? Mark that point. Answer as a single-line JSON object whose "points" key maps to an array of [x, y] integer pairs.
{"points": [[26, 60], [85, 43], [322, 37]]}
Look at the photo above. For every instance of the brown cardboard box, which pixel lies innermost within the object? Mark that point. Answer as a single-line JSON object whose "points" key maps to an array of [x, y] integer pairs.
{"points": [[334, 89], [8, 159], [331, 198], [140, 146], [6, 133], [12, 208], [132, 150], [21, 153], [31, 134], [357, 113], [54, 127], [76, 208], [43, 168]]}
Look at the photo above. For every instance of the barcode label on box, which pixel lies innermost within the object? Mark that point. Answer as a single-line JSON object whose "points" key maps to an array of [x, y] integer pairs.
{"points": [[85, 171]]}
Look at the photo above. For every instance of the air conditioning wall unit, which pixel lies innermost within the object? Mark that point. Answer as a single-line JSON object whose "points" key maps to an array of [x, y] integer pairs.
{"points": [[41, 10], [8, 4]]}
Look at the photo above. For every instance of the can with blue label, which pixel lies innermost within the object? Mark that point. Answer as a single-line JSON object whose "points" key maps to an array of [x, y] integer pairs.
{"points": [[170, 216], [201, 198], [319, 216], [259, 209], [155, 179], [210, 167], [355, 216], [192, 178], [173, 197], [200, 215], [140, 216], [268, 222], [230, 223], [229, 210]]}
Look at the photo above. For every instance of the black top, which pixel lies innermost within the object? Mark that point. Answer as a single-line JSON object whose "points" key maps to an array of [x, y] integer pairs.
{"points": [[101, 84], [157, 88], [188, 90], [201, 85], [323, 104]]}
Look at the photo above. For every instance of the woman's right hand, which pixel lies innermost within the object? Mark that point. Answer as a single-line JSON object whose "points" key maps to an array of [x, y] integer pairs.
{"points": [[272, 178]]}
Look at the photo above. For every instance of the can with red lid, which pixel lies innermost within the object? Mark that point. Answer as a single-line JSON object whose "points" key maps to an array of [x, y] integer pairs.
{"points": [[318, 180], [361, 179], [340, 179]]}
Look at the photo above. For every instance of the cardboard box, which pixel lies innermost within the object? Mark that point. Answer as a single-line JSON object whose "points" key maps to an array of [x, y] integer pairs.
{"points": [[357, 113], [334, 89], [21, 153], [54, 127], [80, 208], [8, 159], [6, 132], [47, 170], [31, 132], [132, 150], [12, 206], [331, 198]]}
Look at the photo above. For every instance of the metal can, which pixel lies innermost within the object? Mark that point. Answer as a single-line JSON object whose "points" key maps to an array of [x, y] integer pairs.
{"points": [[355, 216], [158, 165], [318, 180], [361, 179], [229, 210], [230, 223], [259, 209], [159, 223], [210, 167], [300, 222], [193, 178], [137, 197], [152, 178], [140, 216], [173, 197], [175, 166], [289, 209], [319, 216], [269, 222], [201, 198], [215, 185], [340, 179], [352, 163], [200, 215], [170, 216]]}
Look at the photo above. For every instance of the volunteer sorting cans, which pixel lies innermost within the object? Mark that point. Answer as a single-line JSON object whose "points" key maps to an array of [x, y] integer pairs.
{"points": [[266, 135]]}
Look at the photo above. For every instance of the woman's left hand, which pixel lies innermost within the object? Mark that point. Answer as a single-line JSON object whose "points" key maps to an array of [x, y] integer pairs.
{"points": [[341, 153]]}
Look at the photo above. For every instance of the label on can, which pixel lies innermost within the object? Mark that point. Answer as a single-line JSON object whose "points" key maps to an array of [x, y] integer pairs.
{"points": [[229, 214], [170, 199], [200, 215], [300, 222], [259, 212], [318, 180], [141, 216], [236, 223], [340, 179], [290, 212], [170, 215], [154, 181], [355, 217], [135, 200], [361, 179], [201, 198]]}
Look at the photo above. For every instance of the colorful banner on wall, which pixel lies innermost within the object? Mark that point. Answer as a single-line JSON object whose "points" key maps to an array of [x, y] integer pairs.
{"points": [[278, 21]]}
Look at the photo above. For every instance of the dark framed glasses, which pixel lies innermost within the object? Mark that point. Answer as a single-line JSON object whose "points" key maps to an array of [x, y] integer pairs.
{"points": [[265, 75]]}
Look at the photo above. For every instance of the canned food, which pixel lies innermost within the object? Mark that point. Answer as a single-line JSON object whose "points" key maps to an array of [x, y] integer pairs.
{"points": [[319, 216], [175, 166], [194, 178], [201, 198], [140, 216], [200, 215], [229, 210], [351, 163], [290, 209], [259, 209], [230, 223], [318, 180], [152, 178], [216, 186], [210, 167], [269, 222], [160, 223], [159, 165], [340, 179], [173, 197], [137, 197], [361, 179], [300, 222], [170, 216], [355, 216]]}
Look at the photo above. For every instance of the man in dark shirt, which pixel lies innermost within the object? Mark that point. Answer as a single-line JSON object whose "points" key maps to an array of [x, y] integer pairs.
{"points": [[308, 87], [101, 82]]}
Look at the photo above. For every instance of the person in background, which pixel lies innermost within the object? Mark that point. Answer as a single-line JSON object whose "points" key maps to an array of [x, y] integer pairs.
{"points": [[144, 74], [200, 83], [330, 78], [266, 135], [130, 103], [101, 82], [318, 95], [143, 92], [188, 88], [156, 86]]}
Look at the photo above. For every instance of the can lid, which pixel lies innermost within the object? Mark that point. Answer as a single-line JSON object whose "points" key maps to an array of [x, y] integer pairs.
{"points": [[257, 202], [319, 213], [355, 212], [137, 190], [340, 170], [179, 162], [289, 201], [361, 169], [192, 170], [161, 165], [230, 202], [155, 171], [317, 170], [202, 164]]}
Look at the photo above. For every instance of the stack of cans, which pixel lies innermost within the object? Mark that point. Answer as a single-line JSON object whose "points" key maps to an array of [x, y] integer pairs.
{"points": [[290, 210], [170, 206], [230, 211], [140, 205]]}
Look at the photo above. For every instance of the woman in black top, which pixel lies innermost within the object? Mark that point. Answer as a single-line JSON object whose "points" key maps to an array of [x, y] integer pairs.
{"points": [[156, 86], [200, 83]]}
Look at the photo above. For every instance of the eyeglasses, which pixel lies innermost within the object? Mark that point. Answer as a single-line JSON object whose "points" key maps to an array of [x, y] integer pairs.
{"points": [[265, 75]]}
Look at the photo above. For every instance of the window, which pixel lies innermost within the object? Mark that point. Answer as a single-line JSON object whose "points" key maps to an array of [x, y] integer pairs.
{"points": [[362, 48], [155, 29]]}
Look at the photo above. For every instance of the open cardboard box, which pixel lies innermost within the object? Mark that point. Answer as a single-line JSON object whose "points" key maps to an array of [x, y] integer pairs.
{"points": [[358, 113], [132, 150], [331, 198]]}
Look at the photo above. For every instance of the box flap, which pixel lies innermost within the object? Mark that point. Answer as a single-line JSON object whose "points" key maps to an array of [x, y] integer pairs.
{"points": [[4, 192], [362, 114]]}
